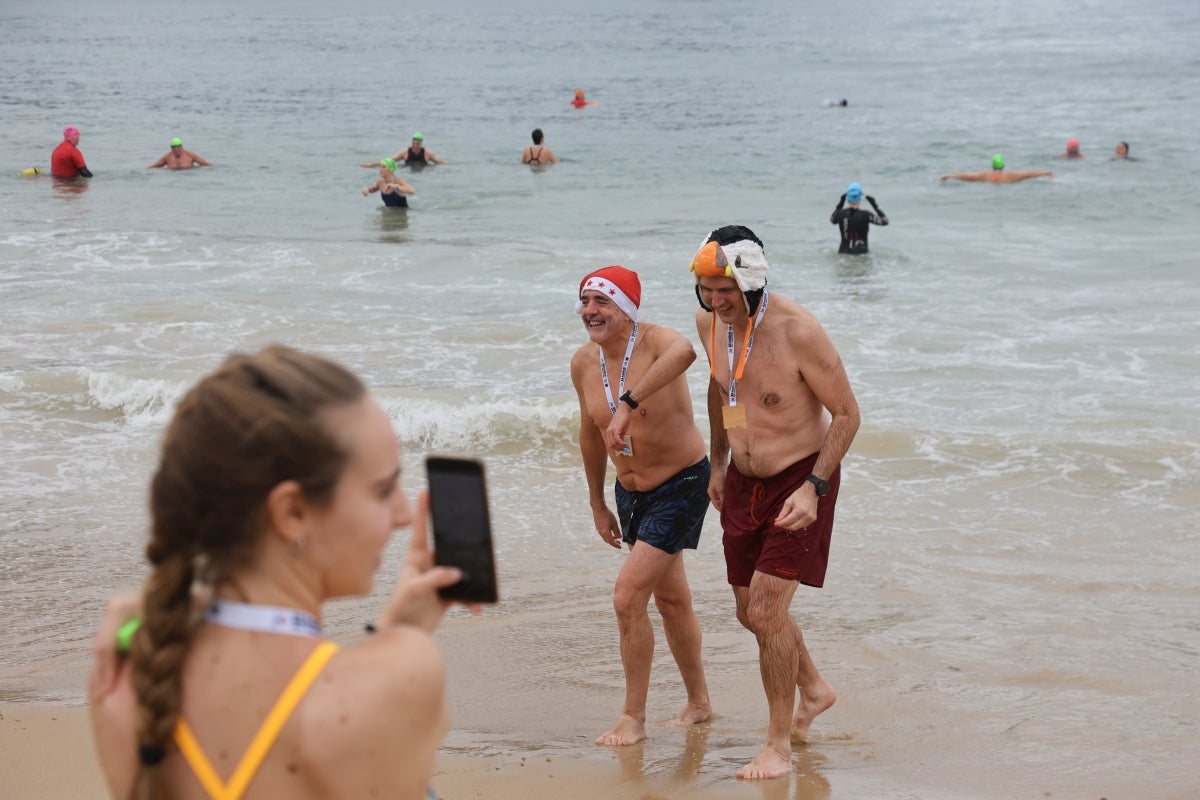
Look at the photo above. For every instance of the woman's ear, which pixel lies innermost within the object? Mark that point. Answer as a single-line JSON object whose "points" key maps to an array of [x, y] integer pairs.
{"points": [[288, 512]]}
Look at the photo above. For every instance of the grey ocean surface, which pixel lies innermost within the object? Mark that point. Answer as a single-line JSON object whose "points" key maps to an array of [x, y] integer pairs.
{"points": [[1011, 606]]}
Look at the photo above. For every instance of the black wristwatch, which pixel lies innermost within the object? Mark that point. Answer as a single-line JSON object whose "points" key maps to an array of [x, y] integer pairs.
{"points": [[821, 484], [627, 400]]}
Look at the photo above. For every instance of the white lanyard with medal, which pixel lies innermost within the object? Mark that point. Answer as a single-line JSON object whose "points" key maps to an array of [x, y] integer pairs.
{"points": [[612, 403], [733, 415]]}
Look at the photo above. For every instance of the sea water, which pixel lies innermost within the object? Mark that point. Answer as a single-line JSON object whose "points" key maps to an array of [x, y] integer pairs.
{"points": [[1011, 602]]}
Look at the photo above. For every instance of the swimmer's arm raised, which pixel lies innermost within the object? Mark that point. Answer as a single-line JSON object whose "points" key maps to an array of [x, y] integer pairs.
{"points": [[833, 218], [881, 219]]}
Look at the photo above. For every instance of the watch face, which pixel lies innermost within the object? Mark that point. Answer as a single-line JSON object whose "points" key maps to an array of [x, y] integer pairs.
{"points": [[821, 484]]}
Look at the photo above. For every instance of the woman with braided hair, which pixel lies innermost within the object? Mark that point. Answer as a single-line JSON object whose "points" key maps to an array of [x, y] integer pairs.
{"points": [[278, 488]]}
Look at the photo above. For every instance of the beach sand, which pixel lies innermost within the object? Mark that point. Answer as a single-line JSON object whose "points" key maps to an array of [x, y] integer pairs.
{"points": [[46, 753]]}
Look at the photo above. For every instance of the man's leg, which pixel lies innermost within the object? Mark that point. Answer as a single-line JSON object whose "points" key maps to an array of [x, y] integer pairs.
{"points": [[643, 569], [673, 597], [763, 608], [816, 695]]}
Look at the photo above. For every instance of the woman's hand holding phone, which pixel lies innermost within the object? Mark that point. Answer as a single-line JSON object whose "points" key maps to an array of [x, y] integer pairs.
{"points": [[415, 600]]}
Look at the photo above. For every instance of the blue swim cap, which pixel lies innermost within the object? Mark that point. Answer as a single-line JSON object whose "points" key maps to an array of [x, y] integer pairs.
{"points": [[854, 193]]}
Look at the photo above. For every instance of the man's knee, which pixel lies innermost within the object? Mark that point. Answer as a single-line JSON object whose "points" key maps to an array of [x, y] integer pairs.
{"points": [[629, 600], [673, 604], [762, 616]]}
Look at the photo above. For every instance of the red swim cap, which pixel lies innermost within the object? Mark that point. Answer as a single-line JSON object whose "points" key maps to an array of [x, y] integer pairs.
{"points": [[1072, 143]]}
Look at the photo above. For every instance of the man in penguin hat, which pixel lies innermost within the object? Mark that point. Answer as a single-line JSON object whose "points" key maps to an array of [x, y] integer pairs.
{"points": [[781, 416]]}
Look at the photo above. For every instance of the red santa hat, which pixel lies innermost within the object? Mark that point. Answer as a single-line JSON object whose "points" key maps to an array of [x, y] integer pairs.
{"points": [[619, 284]]}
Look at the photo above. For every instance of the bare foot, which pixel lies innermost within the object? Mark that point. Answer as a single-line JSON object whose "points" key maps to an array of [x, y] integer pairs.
{"points": [[627, 731], [810, 707], [692, 714], [770, 763]]}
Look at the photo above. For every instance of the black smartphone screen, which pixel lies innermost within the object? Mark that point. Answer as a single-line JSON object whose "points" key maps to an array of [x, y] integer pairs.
{"points": [[462, 530]]}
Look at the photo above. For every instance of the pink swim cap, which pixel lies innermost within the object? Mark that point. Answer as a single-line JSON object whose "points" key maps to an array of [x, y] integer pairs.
{"points": [[1072, 143], [70, 132]]}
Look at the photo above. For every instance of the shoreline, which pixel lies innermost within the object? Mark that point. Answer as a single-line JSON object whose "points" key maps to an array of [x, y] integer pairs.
{"points": [[46, 753]]}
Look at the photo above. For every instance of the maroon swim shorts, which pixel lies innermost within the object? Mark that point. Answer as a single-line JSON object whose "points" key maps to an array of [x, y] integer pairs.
{"points": [[752, 540]]}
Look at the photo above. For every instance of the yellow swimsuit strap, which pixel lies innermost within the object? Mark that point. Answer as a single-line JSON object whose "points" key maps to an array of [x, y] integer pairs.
{"points": [[185, 739]]}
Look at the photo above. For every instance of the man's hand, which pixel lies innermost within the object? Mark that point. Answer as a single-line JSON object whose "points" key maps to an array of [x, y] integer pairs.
{"points": [[607, 526], [614, 435], [716, 485], [799, 510]]}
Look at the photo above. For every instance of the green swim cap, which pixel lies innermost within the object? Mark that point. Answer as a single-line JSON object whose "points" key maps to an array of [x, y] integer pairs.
{"points": [[177, 142], [418, 136], [389, 163], [997, 161]]}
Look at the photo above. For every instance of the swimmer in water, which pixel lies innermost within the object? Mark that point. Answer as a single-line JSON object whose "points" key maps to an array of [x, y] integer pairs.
{"points": [[391, 187], [415, 155], [997, 174], [537, 155], [178, 158], [1122, 153], [854, 222], [67, 161], [1072, 150], [581, 99]]}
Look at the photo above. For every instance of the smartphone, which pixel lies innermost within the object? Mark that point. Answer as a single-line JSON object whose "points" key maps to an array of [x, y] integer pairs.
{"points": [[462, 529]]}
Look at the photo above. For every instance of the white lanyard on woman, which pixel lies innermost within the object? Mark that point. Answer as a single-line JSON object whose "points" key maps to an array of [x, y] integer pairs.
{"points": [[262, 619]]}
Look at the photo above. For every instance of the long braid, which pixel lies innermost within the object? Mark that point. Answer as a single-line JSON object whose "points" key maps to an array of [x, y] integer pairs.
{"points": [[240, 432]]}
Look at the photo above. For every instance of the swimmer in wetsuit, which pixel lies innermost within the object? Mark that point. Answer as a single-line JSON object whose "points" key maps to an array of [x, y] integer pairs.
{"points": [[392, 188], [854, 222], [538, 155], [997, 174]]}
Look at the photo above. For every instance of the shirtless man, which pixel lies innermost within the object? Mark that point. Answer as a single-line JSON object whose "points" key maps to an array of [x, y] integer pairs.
{"points": [[997, 174], [636, 410], [538, 155], [178, 158], [786, 417]]}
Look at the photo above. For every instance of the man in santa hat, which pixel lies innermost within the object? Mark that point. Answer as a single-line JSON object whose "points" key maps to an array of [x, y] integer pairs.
{"points": [[636, 411]]}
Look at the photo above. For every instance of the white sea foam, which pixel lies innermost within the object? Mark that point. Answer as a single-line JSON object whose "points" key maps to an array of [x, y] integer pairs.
{"points": [[142, 402]]}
